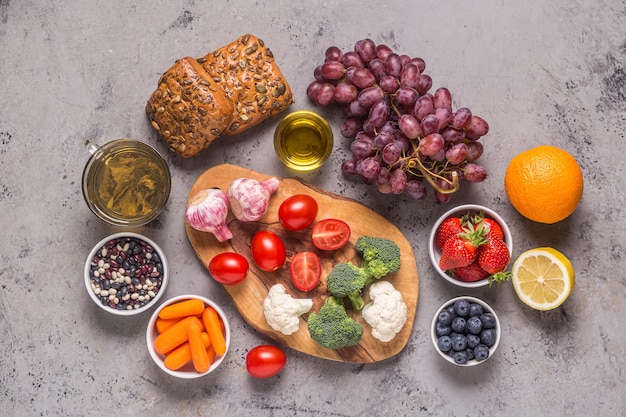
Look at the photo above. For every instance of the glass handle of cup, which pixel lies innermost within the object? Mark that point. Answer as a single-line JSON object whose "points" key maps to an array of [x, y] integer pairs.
{"points": [[92, 147]]}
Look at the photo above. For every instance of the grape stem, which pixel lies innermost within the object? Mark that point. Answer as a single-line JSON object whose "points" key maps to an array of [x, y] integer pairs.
{"points": [[429, 176]]}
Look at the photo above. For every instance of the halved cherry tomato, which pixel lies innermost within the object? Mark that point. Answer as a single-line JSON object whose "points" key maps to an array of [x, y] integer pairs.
{"points": [[268, 250], [305, 270], [229, 268], [330, 234], [265, 361], [297, 212]]}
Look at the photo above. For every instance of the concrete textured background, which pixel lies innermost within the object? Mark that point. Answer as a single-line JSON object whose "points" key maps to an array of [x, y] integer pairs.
{"points": [[539, 72]]}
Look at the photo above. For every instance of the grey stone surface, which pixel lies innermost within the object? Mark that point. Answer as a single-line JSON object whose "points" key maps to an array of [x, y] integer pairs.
{"points": [[539, 72]]}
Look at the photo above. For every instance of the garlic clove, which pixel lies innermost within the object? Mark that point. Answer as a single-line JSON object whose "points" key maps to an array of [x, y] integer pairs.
{"points": [[249, 198], [207, 211]]}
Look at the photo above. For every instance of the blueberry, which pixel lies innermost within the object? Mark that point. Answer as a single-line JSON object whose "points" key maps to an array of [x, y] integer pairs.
{"points": [[444, 343], [450, 308], [462, 308], [441, 329], [472, 341], [475, 309], [489, 320], [460, 357], [481, 352], [474, 325], [470, 354], [458, 325], [445, 317], [459, 343], [488, 337]]}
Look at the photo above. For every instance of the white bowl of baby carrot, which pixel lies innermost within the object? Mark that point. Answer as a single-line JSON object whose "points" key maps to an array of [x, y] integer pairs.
{"points": [[188, 336]]}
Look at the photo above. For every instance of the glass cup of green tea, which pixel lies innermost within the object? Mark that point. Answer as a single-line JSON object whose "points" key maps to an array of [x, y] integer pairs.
{"points": [[126, 182], [303, 140]]}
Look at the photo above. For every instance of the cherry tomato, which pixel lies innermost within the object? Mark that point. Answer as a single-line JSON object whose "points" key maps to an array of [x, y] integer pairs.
{"points": [[297, 212], [229, 268], [268, 250], [330, 234], [305, 270], [265, 361]]}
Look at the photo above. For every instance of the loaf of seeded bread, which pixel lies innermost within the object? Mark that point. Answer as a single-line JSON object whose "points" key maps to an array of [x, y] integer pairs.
{"points": [[225, 92], [188, 109], [247, 73]]}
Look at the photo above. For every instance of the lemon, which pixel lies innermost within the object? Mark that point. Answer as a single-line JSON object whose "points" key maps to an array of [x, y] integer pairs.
{"points": [[543, 278]]}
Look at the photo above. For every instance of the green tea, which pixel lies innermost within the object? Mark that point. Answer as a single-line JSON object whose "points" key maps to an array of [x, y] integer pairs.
{"points": [[127, 184]]}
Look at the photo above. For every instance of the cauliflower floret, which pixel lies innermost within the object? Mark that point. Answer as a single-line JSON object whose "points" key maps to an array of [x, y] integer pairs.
{"points": [[387, 311], [282, 311]]}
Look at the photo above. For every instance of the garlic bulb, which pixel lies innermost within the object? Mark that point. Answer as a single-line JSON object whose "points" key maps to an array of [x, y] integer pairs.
{"points": [[207, 211], [249, 198]]}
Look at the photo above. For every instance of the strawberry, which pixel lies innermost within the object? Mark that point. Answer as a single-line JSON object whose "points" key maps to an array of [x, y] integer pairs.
{"points": [[451, 226], [493, 256], [448, 228], [494, 231], [461, 250], [470, 273]]}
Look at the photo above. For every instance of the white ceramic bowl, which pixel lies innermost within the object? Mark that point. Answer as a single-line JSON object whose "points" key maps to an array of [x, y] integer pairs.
{"points": [[120, 286], [487, 309], [187, 371], [435, 253]]}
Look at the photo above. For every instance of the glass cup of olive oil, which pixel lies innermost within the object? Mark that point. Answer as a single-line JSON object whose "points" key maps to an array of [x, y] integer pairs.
{"points": [[303, 140], [126, 182]]}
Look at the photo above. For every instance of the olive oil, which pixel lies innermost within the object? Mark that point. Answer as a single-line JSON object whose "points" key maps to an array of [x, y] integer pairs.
{"points": [[126, 183], [303, 141]]}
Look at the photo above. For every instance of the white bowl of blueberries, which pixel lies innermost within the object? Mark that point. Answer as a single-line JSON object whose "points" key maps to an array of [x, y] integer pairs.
{"points": [[465, 331]]}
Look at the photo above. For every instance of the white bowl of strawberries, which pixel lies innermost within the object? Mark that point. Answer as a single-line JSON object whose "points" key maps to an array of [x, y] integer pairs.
{"points": [[470, 246]]}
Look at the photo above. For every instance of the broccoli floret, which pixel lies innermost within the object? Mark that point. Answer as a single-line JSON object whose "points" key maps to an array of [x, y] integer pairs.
{"points": [[332, 328], [380, 256], [347, 280]]}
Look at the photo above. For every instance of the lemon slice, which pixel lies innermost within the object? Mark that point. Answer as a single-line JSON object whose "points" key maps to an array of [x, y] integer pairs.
{"points": [[543, 278]]}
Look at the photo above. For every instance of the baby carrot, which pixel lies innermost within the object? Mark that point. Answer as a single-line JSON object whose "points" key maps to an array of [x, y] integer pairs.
{"points": [[211, 322], [178, 358], [211, 353], [174, 336], [205, 339], [199, 355], [181, 356], [164, 324], [182, 309]]}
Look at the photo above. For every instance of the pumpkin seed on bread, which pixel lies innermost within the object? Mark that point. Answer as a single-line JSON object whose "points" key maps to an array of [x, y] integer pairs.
{"points": [[225, 92], [188, 109]]}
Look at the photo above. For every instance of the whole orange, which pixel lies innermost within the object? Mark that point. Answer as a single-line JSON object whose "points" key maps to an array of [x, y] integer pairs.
{"points": [[545, 184]]}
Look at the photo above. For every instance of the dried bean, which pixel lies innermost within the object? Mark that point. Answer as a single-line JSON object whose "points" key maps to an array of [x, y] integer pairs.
{"points": [[126, 273]]}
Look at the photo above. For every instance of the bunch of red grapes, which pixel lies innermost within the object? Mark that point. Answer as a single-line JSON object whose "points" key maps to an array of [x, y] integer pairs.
{"points": [[402, 135]]}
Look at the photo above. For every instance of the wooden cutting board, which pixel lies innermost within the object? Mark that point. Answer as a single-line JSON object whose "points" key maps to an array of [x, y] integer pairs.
{"points": [[248, 296]]}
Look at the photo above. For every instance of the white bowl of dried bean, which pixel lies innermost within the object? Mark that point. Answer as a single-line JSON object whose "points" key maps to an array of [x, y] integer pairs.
{"points": [[126, 273]]}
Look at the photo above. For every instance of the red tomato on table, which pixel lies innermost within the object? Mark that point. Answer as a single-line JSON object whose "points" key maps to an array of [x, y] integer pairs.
{"points": [[330, 234], [305, 270], [268, 250], [297, 212], [265, 361], [229, 268]]}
